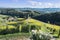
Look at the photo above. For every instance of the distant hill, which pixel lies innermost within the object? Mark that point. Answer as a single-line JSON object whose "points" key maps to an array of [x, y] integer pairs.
{"points": [[42, 14], [43, 10], [19, 13]]}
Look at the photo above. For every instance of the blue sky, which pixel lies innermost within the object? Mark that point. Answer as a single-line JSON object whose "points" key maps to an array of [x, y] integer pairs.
{"points": [[30, 3]]}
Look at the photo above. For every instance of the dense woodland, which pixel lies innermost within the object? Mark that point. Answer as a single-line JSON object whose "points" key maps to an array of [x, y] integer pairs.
{"points": [[53, 18]]}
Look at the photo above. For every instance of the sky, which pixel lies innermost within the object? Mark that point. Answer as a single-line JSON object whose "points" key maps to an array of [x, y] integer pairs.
{"points": [[30, 3]]}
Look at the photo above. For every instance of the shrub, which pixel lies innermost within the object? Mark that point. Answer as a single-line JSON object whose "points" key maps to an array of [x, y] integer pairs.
{"points": [[39, 36], [25, 28]]}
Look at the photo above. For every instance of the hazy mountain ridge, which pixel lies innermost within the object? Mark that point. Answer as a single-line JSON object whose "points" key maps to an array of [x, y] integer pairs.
{"points": [[42, 9]]}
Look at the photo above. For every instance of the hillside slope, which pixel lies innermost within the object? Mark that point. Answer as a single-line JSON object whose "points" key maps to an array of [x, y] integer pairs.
{"points": [[39, 23]]}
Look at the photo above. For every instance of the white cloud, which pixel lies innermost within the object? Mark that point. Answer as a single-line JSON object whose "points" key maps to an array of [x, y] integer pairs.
{"points": [[34, 3], [43, 4], [57, 5], [47, 5], [15, 0]]}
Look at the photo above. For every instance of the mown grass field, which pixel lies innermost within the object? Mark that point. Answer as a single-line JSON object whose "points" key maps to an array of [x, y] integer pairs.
{"points": [[30, 22], [44, 26], [36, 22]]}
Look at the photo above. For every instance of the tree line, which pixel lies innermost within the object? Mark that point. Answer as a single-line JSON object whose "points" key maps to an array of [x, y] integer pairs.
{"points": [[54, 18]]}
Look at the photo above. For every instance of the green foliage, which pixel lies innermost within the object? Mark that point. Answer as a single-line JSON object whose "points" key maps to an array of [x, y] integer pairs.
{"points": [[8, 31], [54, 18], [21, 25], [25, 28]]}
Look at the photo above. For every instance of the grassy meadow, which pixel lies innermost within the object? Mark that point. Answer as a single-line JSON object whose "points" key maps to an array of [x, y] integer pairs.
{"points": [[22, 27]]}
